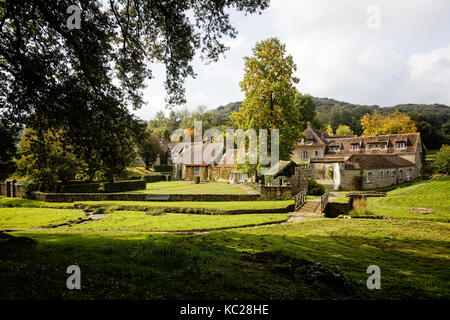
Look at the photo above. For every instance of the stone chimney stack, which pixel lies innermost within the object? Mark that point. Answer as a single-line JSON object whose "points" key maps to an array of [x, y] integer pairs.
{"points": [[308, 124]]}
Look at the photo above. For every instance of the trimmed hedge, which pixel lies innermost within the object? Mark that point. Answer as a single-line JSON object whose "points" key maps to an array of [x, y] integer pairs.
{"points": [[156, 178], [104, 187], [163, 168]]}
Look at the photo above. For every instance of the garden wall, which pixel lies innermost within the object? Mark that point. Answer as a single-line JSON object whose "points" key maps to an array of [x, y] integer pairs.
{"points": [[71, 197], [271, 193]]}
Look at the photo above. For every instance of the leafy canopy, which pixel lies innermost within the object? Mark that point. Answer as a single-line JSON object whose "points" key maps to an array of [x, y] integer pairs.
{"points": [[377, 123], [269, 87]]}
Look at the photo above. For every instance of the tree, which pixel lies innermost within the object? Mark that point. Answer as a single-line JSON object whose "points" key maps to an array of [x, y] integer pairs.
{"points": [[269, 90], [378, 123], [430, 128], [329, 130], [149, 148], [62, 80], [306, 107], [442, 162], [46, 163], [8, 139], [344, 130]]}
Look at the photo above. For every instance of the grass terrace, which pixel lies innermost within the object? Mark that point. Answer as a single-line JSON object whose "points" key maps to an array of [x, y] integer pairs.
{"points": [[166, 187]]}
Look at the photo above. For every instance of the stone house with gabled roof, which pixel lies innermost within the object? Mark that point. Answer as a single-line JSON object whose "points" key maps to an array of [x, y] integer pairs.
{"points": [[348, 156]]}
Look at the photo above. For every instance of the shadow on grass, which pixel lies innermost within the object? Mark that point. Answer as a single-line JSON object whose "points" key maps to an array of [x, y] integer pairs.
{"points": [[222, 265]]}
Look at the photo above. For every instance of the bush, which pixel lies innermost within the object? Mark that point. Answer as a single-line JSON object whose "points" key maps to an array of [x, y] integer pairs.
{"points": [[104, 187], [154, 178], [315, 188], [196, 179], [163, 168], [442, 162]]}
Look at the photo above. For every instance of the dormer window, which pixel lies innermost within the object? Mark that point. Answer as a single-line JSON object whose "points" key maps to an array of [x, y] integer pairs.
{"points": [[310, 141], [334, 149], [355, 146], [400, 145]]}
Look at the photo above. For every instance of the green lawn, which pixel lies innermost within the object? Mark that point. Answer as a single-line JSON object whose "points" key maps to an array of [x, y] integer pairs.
{"points": [[141, 221], [270, 262], [165, 187], [398, 203], [36, 217], [279, 261], [141, 205]]}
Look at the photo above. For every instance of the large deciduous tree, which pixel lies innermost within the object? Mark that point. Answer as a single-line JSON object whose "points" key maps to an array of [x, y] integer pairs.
{"points": [[8, 139], [269, 87], [64, 80], [149, 148]]}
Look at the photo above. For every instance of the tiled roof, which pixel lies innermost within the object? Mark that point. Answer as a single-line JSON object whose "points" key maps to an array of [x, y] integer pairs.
{"points": [[356, 162], [189, 153], [412, 142]]}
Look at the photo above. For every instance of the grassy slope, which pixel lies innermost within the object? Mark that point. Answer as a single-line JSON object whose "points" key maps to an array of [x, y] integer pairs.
{"points": [[189, 187], [111, 205], [398, 203], [140, 221], [414, 257]]}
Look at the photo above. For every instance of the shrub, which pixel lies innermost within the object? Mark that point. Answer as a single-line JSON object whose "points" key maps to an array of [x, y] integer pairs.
{"points": [[442, 162], [155, 178], [120, 186], [315, 188], [163, 168]]}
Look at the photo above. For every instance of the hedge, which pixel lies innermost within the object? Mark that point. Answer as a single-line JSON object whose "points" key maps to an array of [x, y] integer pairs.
{"points": [[163, 168], [104, 187], [156, 178]]}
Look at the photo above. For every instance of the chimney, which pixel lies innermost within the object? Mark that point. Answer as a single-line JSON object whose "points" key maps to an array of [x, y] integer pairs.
{"points": [[308, 124]]}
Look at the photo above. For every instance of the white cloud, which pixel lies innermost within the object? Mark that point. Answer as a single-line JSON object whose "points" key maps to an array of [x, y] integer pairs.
{"points": [[407, 60]]}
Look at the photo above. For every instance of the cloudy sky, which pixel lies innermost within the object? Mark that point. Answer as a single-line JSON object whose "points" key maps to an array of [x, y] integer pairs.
{"points": [[380, 52]]}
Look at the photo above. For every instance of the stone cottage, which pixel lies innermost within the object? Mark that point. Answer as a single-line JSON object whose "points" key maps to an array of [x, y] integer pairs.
{"points": [[342, 158]]}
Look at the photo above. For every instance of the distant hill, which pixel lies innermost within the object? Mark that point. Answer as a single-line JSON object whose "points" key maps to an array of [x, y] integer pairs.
{"points": [[326, 104]]}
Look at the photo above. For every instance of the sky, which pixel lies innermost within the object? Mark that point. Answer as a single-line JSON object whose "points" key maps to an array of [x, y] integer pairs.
{"points": [[379, 52]]}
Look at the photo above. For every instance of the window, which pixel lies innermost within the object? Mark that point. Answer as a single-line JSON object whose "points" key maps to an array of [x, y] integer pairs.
{"points": [[355, 146], [334, 149], [400, 145], [386, 173], [196, 171], [400, 174], [392, 172], [380, 174], [310, 141], [370, 177], [305, 154], [316, 153]]}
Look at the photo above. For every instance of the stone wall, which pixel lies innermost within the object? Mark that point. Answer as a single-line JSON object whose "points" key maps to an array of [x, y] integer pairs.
{"points": [[188, 173], [71, 197], [220, 173], [334, 209], [299, 181], [271, 193]]}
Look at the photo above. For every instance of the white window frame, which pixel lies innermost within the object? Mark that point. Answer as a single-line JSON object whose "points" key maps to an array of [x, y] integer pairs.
{"points": [[402, 143], [392, 172], [303, 155], [355, 147], [372, 175], [380, 174], [316, 153], [386, 174]]}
